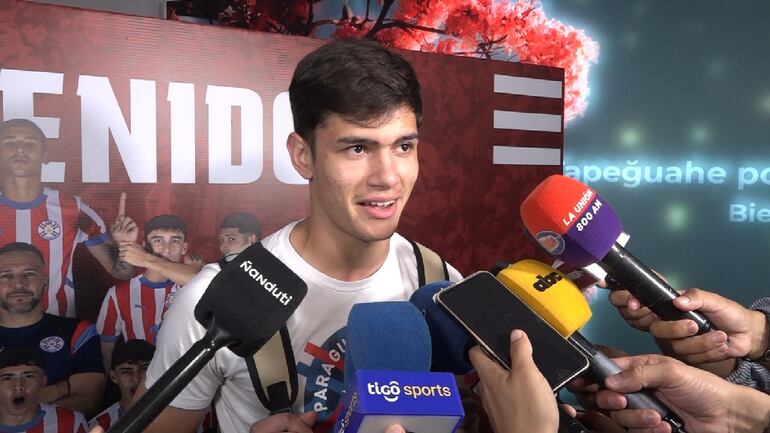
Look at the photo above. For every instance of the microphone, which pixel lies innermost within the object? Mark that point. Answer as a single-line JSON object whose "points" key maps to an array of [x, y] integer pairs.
{"points": [[245, 304], [449, 342], [575, 225], [556, 299], [387, 381]]}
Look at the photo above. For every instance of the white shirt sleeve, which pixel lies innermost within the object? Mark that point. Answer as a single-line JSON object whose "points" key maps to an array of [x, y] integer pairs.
{"points": [[178, 332]]}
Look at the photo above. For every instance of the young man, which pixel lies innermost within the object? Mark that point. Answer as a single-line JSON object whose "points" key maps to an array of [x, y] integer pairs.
{"points": [[237, 232], [134, 309], [356, 109], [151, 255], [129, 364], [70, 347], [52, 222], [21, 382]]}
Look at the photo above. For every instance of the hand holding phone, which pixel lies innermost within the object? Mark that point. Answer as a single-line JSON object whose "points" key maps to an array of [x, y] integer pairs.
{"points": [[488, 311]]}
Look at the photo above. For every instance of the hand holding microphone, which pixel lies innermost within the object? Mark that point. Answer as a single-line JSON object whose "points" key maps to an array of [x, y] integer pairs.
{"points": [[742, 332], [707, 403], [575, 225], [549, 293]]}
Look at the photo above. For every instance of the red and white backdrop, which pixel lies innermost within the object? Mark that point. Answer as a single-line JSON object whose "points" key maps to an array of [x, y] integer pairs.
{"points": [[192, 120]]}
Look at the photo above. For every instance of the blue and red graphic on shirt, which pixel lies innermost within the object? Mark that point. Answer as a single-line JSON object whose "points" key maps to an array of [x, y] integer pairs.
{"points": [[324, 377]]}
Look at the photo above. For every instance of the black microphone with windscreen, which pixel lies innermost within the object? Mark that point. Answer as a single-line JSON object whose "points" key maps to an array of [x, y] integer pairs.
{"points": [[245, 304]]}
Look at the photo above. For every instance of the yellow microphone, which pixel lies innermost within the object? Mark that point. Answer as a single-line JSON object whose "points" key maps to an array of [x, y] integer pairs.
{"points": [[556, 299], [547, 291]]}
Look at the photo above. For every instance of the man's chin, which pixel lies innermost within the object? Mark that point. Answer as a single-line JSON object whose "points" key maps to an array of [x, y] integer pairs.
{"points": [[20, 308]]}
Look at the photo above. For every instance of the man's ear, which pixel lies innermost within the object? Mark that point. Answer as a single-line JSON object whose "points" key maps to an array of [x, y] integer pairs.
{"points": [[184, 248], [252, 238], [301, 156]]}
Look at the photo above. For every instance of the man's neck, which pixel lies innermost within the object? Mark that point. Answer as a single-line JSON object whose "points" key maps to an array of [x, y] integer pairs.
{"points": [[125, 402], [21, 189], [9, 419], [18, 320], [154, 276], [341, 258]]}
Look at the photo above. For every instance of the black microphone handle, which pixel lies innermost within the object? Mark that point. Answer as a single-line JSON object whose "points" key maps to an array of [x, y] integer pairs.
{"points": [[648, 287], [602, 366], [173, 381]]}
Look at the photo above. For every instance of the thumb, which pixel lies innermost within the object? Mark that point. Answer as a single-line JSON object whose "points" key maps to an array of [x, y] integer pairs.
{"points": [[644, 376], [696, 299], [521, 350], [395, 428], [308, 417]]}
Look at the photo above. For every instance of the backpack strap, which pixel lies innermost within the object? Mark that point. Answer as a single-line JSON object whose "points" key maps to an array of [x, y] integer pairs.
{"points": [[273, 373], [430, 266]]}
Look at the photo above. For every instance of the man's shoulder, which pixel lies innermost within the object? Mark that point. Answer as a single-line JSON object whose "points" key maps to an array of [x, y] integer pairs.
{"points": [[51, 320], [407, 257], [67, 327], [279, 238]]}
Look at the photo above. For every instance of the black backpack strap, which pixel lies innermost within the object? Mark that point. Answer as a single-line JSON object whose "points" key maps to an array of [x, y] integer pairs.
{"points": [[430, 266], [273, 373]]}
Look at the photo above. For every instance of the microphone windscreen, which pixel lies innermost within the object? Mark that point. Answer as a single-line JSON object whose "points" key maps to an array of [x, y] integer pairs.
{"points": [[570, 220], [450, 342], [549, 293], [386, 336], [252, 297]]}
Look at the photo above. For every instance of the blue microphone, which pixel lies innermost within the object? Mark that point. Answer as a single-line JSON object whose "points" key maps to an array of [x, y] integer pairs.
{"points": [[387, 359], [449, 342]]}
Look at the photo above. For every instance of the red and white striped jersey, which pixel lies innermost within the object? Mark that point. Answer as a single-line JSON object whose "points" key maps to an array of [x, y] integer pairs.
{"points": [[134, 309], [106, 418], [55, 224], [51, 419]]}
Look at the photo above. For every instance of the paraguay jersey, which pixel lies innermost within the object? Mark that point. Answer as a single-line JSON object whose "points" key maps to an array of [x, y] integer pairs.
{"points": [[108, 417], [68, 346], [51, 419], [134, 309], [55, 224]]}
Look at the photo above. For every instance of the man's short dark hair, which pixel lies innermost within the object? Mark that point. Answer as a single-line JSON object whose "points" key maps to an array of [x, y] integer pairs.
{"points": [[20, 355], [357, 79], [22, 246], [165, 222], [245, 222], [27, 124], [131, 351]]}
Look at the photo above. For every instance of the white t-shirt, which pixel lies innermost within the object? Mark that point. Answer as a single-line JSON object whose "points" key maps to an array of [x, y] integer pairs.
{"points": [[316, 329]]}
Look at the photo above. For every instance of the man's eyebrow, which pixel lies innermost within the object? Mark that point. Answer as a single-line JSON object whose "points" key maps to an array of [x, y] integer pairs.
{"points": [[363, 140]]}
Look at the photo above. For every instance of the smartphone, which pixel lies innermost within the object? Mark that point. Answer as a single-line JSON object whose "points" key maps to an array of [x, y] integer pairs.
{"points": [[489, 312]]}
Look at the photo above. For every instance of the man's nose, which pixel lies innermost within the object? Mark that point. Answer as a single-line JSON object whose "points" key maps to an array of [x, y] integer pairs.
{"points": [[18, 384], [384, 169]]}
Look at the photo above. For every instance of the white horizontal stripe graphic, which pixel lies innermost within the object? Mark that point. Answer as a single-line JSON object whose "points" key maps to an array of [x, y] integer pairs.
{"points": [[527, 86], [507, 155], [526, 121]]}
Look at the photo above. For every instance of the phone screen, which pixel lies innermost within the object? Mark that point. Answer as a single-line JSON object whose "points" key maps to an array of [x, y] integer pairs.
{"points": [[489, 312]]}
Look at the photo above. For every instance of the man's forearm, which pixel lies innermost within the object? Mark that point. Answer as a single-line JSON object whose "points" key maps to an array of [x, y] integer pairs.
{"points": [[85, 394], [179, 273], [55, 391]]}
